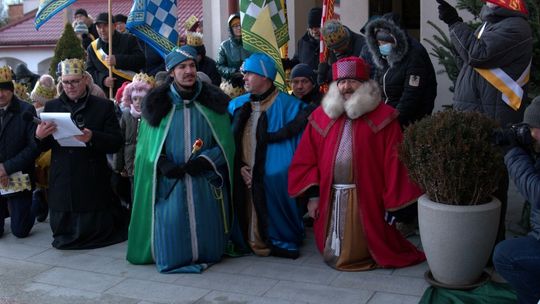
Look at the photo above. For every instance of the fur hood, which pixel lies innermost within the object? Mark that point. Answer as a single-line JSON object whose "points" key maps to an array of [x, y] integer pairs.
{"points": [[363, 101], [157, 102], [399, 51]]}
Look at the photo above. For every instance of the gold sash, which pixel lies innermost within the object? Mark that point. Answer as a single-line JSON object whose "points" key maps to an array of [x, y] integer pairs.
{"points": [[100, 55]]}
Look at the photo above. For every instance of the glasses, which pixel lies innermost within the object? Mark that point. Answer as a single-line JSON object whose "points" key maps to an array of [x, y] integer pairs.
{"points": [[71, 83], [236, 26]]}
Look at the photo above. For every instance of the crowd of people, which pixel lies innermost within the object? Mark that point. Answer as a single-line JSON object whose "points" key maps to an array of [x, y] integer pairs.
{"points": [[195, 159]]}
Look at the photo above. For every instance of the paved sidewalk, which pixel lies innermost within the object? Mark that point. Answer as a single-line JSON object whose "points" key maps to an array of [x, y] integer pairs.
{"points": [[31, 271]]}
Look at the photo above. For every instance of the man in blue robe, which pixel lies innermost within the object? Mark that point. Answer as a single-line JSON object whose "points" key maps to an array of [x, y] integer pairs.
{"points": [[181, 211], [267, 125]]}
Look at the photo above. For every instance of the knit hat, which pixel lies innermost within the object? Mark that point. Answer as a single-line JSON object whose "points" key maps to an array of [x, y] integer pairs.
{"points": [[102, 18], [179, 55], [532, 113], [335, 35], [81, 11], [80, 28], [120, 18], [314, 17], [350, 68], [140, 86], [382, 34], [6, 78], [44, 90], [304, 70], [513, 5], [120, 92], [261, 64]]}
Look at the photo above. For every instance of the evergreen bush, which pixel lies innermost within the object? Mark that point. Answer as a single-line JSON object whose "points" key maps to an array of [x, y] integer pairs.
{"points": [[68, 46], [450, 155]]}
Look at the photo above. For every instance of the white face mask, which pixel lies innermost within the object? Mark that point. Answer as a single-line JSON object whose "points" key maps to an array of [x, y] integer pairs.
{"points": [[491, 5]]}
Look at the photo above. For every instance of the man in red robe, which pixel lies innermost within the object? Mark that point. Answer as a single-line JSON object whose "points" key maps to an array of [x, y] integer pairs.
{"points": [[347, 164]]}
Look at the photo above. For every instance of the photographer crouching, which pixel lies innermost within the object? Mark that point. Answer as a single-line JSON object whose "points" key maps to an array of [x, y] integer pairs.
{"points": [[518, 259]]}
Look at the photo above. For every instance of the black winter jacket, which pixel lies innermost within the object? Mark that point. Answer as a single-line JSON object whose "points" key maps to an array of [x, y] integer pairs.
{"points": [[79, 178], [525, 173], [129, 56], [18, 149], [505, 43], [406, 76], [307, 51]]}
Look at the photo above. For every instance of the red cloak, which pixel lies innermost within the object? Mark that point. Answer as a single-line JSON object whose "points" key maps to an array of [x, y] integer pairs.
{"points": [[381, 179]]}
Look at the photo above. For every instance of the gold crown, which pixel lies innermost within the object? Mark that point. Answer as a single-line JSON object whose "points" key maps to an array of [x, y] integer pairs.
{"points": [[143, 77], [21, 91], [72, 66], [43, 91], [190, 22], [194, 39], [231, 90], [5, 74]]}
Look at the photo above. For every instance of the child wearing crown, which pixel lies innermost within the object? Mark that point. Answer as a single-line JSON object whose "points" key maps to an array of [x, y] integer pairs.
{"points": [[129, 123]]}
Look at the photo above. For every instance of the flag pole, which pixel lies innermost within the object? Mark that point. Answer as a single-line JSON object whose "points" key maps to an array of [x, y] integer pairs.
{"points": [[109, 10]]}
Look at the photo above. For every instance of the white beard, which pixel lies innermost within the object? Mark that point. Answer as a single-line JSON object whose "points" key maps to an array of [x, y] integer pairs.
{"points": [[364, 100]]}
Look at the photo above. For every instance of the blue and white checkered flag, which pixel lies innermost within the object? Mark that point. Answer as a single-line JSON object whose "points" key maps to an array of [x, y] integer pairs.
{"points": [[154, 21]]}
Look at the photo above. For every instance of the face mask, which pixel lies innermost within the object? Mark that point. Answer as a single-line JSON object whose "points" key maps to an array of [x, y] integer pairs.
{"points": [[385, 49]]}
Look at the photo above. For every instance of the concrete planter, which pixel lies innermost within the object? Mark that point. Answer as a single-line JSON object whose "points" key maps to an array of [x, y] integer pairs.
{"points": [[457, 240]]}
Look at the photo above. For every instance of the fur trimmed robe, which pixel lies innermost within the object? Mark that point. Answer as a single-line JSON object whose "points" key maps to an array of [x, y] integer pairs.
{"points": [[382, 183]]}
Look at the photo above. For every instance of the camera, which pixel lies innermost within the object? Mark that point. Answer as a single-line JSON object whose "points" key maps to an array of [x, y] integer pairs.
{"points": [[517, 134]]}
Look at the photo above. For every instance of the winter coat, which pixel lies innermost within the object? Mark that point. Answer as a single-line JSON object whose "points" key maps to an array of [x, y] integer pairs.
{"points": [[79, 178], [129, 56], [125, 158], [18, 148], [230, 57], [208, 66], [307, 51], [505, 43], [525, 172], [407, 76]]}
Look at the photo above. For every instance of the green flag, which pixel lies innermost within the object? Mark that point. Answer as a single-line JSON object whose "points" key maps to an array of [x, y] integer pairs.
{"points": [[262, 22], [250, 10]]}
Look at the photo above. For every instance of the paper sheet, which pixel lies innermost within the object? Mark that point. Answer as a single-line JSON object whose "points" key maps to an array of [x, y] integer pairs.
{"points": [[65, 129]]}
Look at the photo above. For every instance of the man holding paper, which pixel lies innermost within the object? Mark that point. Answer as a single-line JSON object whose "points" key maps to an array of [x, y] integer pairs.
{"points": [[17, 154], [84, 213]]}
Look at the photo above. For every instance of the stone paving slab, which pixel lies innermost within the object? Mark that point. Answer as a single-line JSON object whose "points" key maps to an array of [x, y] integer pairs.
{"points": [[157, 292], [31, 271], [321, 294], [78, 279], [243, 284]]}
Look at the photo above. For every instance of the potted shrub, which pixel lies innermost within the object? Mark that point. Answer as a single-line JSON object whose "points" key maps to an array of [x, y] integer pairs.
{"points": [[451, 157]]}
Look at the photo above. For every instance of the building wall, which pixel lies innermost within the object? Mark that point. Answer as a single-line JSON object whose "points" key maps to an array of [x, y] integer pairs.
{"points": [[34, 57]]}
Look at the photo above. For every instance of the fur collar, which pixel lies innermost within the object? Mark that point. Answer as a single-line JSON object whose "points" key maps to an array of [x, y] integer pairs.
{"points": [[402, 44], [364, 100], [157, 103]]}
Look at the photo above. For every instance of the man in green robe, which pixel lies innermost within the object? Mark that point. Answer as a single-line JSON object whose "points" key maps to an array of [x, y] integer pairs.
{"points": [[181, 213]]}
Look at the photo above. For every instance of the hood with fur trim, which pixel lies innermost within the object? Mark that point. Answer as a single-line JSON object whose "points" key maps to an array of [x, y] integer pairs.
{"points": [[398, 52], [366, 98]]}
